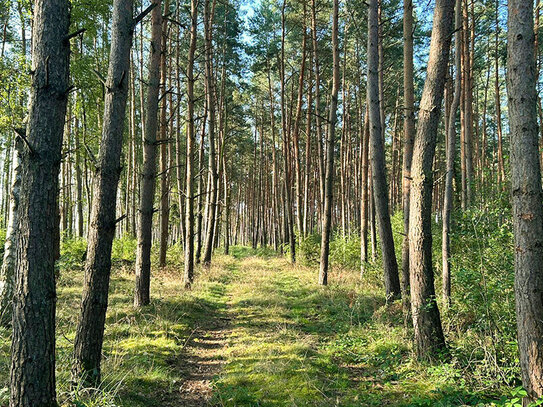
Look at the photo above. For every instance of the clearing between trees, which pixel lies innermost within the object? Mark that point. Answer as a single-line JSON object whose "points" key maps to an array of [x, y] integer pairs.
{"points": [[255, 331]]}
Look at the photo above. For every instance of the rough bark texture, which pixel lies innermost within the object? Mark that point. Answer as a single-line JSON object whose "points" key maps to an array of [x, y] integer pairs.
{"points": [[32, 379], [527, 194], [189, 206], [429, 339], [147, 194], [328, 185], [378, 169], [451, 150], [7, 271], [90, 330]]}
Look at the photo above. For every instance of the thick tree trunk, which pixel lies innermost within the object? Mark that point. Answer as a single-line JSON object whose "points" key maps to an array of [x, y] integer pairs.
{"points": [[32, 378], [392, 281], [527, 194], [451, 150], [329, 180], [90, 330], [142, 294], [429, 339]]}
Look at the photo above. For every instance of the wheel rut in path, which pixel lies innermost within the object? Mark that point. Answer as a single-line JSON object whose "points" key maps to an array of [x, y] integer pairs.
{"points": [[201, 359]]}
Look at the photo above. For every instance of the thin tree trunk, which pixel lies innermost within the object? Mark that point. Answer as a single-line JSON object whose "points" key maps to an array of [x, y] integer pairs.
{"points": [[429, 339], [209, 11], [409, 139], [329, 180], [90, 330], [451, 150], [142, 295], [9, 263], [164, 159], [392, 281], [189, 206], [289, 218], [364, 205]]}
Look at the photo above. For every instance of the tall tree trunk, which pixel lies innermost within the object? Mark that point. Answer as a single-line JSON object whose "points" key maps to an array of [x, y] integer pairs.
{"points": [[147, 197], [409, 139], [392, 281], [329, 184], [189, 206], [317, 102], [289, 218], [209, 11], [296, 134], [32, 377], [164, 159], [451, 150], [90, 330], [429, 339], [527, 194], [365, 185]]}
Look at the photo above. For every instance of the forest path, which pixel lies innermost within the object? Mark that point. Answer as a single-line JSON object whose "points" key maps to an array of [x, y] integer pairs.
{"points": [[291, 342]]}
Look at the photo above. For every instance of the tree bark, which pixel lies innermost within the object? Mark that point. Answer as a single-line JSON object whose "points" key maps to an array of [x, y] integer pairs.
{"points": [[189, 205], [32, 378], [392, 281], [329, 177], [429, 339], [451, 150], [209, 11], [90, 330], [409, 139], [527, 194], [142, 294], [164, 159]]}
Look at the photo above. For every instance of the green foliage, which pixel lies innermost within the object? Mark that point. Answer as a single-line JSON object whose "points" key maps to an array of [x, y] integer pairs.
{"points": [[124, 249], [72, 253]]}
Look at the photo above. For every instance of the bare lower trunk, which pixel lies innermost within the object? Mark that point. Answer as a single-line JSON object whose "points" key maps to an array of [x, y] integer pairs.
{"points": [[189, 206], [328, 188], [449, 175], [90, 330], [527, 194], [429, 339], [32, 378], [142, 294], [392, 281], [409, 139]]}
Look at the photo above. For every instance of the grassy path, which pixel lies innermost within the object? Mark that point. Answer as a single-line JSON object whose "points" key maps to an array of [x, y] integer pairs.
{"points": [[253, 332], [293, 343]]}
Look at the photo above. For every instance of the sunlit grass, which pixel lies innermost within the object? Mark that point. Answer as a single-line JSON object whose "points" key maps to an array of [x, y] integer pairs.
{"points": [[290, 342]]}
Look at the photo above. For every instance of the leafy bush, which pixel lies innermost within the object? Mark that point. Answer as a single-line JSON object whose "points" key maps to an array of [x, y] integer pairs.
{"points": [[72, 253], [124, 249]]}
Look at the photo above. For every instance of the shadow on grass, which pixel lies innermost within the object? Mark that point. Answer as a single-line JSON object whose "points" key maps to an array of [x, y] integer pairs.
{"points": [[296, 344]]}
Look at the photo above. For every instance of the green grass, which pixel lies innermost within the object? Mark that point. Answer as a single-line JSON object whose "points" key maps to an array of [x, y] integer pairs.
{"points": [[290, 342]]}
